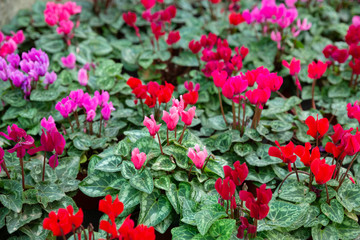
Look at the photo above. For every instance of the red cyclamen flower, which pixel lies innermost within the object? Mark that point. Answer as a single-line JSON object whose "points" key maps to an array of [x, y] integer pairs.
{"points": [[285, 153], [226, 188], [318, 127], [316, 70], [322, 171], [239, 174], [304, 153], [259, 208]]}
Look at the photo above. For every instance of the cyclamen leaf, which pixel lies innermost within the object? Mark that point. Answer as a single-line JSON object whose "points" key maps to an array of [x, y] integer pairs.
{"points": [[11, 194], [109, 164], [207, 216], [183, 232], [334, 211], [16, 220], [328, 233], [143, 181]]}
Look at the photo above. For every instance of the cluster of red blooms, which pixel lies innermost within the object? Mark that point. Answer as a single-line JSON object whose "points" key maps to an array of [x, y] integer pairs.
{"points": [[236, 18], [65, 221], [8, 44], [221, 58], [192, 96], [258, 208], [352, 38], [152, 92], [343, 143], [157, 20], [59, 14]]}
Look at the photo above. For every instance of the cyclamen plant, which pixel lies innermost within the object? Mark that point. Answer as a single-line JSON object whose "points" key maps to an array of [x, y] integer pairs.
{"points": [[26, 72], [65, 221]]}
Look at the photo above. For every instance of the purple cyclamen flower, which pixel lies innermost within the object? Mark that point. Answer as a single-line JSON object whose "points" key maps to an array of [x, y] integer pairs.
{"points": [[14, 60], [17, 78], [50, 78], [26, 65]]}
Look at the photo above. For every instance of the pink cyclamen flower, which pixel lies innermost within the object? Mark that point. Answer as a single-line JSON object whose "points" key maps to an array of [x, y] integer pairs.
{"points": [[65, 107], [188, 116], [138, 158], [294, 66], [69, 61], [48, 124], [303, 26], [290, 3], [106, 111], [151, 125], [171, 119], [103, 98], [198, 157], [239, 84], [180, 105], [65, 26], [219, 78], [90, 115], [83, 77], [276, 37], [356, 21], [228, 90], [190, 86]]}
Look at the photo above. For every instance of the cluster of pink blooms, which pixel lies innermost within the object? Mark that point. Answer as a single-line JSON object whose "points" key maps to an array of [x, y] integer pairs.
{"points": [[8, 44], [279, 16], [25, 72], [232, 87], [59, 14], [197, 156], [51, 140], [157, 20], [79, 99], [221, 58]]}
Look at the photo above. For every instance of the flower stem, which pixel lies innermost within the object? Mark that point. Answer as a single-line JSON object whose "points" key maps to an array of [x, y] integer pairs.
{"points": [[22, 173], [77, 118], [167, 136], [190, 171], [101, 118], [347, 170], [312, 94], [255, 224], [160, 143], [91, 128], [43, 172], [182, 134], [142, 107], [72, 128], [207, 160], [240, 101], [221, 107], [296, 171], [310, 180], [288, 176], [3, 166], [327, 194], [234, 115]]}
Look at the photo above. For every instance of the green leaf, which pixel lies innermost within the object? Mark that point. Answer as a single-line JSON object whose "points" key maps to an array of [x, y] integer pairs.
{"points": [[243, 149], [48, 193], [283, 214], [82, 143], [328, 233], [14, 220], [264, 175], [163, 182], [207, 216], [29, 196], [280, 126], [128, 169], [97, 184], [216, 123], [172, 195], [187, 59], [339, 91], [261, 158], [293, 191], [143, 181], [51, 46], [123, 148], [253, 134], [109, 164], [129, 196], [215, 167], [40, 95], [349, 196], [164, 225], [99, 46], [334, 211], [14, 97], [3, 213], [349, 229], [180, 155], [163, 163], [11, 194], [35, 231], [184, 232], [68, 168], [223, 228], [153, 209], [223, 141]]}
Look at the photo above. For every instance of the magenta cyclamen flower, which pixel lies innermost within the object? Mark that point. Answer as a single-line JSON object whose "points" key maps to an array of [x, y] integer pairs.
{"points": [[180, 105], [65, 107], [187, 116], [219, 78], [22, 139], [69, 61], [171, 119], [50, 78], [151, 125], [103, 98], [198, 157], [83, 77], [106, 110], [138, 158], [48, 124]]}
